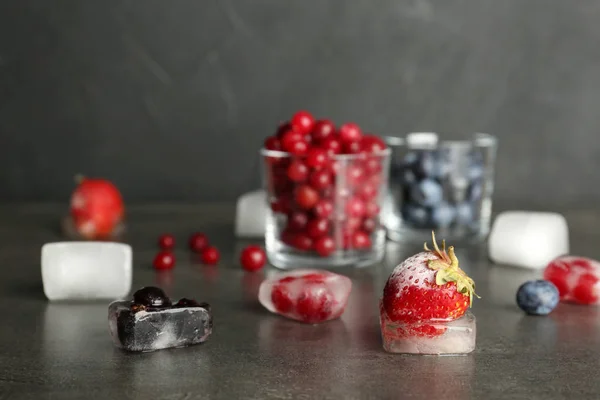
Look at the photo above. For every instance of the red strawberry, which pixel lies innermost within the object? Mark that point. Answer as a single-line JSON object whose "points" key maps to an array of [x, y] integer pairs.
{"points": [[96, 208], [427, 286]]}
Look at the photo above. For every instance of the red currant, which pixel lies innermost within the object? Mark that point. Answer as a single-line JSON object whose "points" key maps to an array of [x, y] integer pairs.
{"points": [[367, 191], [253, 258], [198, 241], [351, 225], [297, 221], [323, 209], [322, 130], [360, 240], [210, 255], [303, 122], [306, 197], [282, 129], [272, 143], [297, 171], [372, 144], [355, 207], [316, 158], [317, 228], [294, 142], [164, 260], [371, 209], [282, 205], [321, 179], [369, 225], [300, 241], [351, 147], [350, 132], [315, 307], [331, 145], [166, 242], [281, 298], [355, 174], [373, 165], [324, 246]]}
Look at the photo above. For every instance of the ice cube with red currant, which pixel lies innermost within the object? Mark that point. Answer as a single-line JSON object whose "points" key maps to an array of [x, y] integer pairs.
{"points": [[308, 295], [576, 278]]}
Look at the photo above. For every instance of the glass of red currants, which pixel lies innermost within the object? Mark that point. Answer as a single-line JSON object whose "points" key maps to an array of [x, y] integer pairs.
{"points": [[445, 185], [325, 187]]}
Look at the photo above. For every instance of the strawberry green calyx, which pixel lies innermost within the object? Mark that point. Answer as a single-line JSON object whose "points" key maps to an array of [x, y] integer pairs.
{"points": [[448, 270]]}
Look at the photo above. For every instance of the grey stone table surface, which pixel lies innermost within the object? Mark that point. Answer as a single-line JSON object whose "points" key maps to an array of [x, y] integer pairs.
{"points": [[63, 351]]}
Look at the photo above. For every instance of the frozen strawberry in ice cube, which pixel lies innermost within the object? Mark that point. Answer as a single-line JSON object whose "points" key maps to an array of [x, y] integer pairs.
{"points": [[307, 295], [577, 279]]}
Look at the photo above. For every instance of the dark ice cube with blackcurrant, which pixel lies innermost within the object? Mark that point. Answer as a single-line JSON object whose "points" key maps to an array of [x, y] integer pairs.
{"points": [[150, 321]]}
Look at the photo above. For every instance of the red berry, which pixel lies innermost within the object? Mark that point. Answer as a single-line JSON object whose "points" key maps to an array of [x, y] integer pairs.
{"points": [[210, 255], [322, 130], [198, 242], [360, 240], [371, 209], [355, 174], [316, 158], [372, 144], [297, 221], [352, 224], [164, 260], [321, 179], [300, 241], [355, 207], [323, 209], [303, 122], [294, 142], [315, 305], [373, 165], [283, 204], [297, 171], [166, 242], [332, 146], [281, 298], [306, 197], [324, 246], [351, 147], [96, 208], [350, 132], [585, 291], [282, 129], [317, 228], [369, 225], [272, 143], [367, 191], [253, 258]]}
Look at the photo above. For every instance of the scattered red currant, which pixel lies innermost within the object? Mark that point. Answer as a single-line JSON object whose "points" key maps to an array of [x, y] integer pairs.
{"points": [[164, 260], [210, 255], [253, 258], [166, 241], [198, 242]]}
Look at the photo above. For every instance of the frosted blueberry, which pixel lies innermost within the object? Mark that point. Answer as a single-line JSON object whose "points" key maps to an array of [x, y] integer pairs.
{"points": [[538, 297], [464, 214], [415, 214], [427, 193], [442, 215]]}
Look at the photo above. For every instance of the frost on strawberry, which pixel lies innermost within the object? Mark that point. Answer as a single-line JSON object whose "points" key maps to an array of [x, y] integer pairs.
{"points": [[577, 279], [424, 308]]}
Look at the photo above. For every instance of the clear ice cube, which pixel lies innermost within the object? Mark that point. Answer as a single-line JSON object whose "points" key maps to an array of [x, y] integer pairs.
{"points": [[144, 331], [86, 270], [251, 214], [434, 337], [307, 295]]}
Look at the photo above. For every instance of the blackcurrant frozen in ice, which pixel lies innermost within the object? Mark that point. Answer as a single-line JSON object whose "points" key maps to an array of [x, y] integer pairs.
{"points": [[151, 296]]}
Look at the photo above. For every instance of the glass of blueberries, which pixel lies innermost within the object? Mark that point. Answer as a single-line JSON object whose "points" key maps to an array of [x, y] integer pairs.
{"points": [[442, 185]]}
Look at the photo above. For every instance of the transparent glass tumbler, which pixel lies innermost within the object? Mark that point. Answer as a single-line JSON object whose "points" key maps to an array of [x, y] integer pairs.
{"points": [[328, 216], [438, 185]]}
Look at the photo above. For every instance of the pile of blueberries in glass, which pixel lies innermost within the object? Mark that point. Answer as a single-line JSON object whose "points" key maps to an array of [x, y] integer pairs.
{"points": [[437, 192]]}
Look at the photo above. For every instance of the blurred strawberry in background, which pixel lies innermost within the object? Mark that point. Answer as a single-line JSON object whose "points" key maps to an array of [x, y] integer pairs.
{"points": [[96, 208]]}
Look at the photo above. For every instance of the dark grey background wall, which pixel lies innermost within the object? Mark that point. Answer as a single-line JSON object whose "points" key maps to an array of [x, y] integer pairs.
{"points": [[171, 99]]}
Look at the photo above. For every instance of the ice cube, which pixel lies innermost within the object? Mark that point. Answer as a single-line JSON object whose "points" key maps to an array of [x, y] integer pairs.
{"points": [[306, 295], [576, 278], [433, 337], [251, 214], [140, 326], [528, 239], [86, 270]]}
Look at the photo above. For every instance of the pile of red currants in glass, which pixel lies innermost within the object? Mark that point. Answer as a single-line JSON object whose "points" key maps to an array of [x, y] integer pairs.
{"points": [[325, 184]]}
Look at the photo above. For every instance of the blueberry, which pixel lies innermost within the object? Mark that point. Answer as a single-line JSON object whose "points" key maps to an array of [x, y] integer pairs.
{"points": [[425, 165], [410, 159], [427, 193], [414, 214], [475, 172], [442, 215], [475, 192], [537, 297], [151, 296], [464, 214], [408, 177]]}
